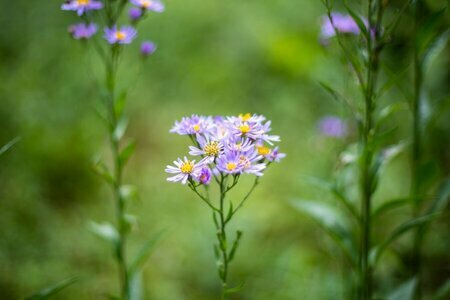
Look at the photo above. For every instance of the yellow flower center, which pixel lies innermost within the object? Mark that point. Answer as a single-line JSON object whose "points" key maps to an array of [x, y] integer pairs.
{"points": [[187, 167], [245, 117], [83, 2], [212, 149], [231, 166], [146, 3], [263, 150], [196, 127], [120, 35], [244, 128]]}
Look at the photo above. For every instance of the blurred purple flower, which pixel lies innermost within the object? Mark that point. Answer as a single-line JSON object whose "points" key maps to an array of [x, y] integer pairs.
{"points": [[342, 23], [81, 6], [147, 48], [275, 155], [230, 163], [154, 5], [205, 176], [124, 35], [333, 126], [82, 31], [135, 13]]}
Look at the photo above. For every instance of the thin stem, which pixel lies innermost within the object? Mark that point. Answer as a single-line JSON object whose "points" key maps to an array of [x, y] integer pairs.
{"points": [[111, 74], [416, 153], [375, 14], [223, 272]]}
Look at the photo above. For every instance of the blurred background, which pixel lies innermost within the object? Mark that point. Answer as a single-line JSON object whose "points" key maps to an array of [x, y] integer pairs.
{"points": [[214, 57]]}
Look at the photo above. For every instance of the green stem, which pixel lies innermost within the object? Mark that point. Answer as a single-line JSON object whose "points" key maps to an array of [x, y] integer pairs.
{"points": [[416, 152], [111, 74], [367, 178], [223, 271]]}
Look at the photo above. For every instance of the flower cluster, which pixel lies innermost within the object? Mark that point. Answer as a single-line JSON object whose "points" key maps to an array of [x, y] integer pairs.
{"points": [[114, 35], [224, 145]]}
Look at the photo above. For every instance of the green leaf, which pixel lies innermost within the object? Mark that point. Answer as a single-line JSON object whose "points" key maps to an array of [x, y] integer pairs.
{"points": [[120, 129], [333, 189], [443, 292], [337, 96], [377, 251], [128, 192], [332, 222], [119, 104], [389, 205], [235, 289], [442, 197], [9, 145], [358, 20], [405, 291], [52, 290], [432, 51], [143, 254], [428, 30], [102, 170], [105, 231], [126, 152], [388, 111], [235, 245]]}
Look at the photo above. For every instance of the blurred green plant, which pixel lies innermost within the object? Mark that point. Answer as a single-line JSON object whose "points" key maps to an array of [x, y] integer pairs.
{"points": [[114, 102], [368, 158]]}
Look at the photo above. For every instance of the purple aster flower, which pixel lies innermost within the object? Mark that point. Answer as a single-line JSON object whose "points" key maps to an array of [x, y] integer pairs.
{"points": [[275, 155], [205, 176], [194, 125], [248, 117], [147, 48], [82, 31], [229, 163], [247, 162], [184, 170], [333, 127], [135, 13], [246, 129], [342, 23], [265, 129], [82, 6], [124, 35], [239, 144], [209, 148], [153, 5]]}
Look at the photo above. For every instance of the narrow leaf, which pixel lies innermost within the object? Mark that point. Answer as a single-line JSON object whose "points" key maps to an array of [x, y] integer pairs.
{"points": [[358, 20], [128, 192], [120, 129], [235, 289], [331, 221], [389, 205], [102, 170], [52, 290], [144, 253], [119, 104], [105, 231], [337, 96], [432, 51], [9, 145], [235, 245], [376, 252], [442, 198], [126, 153], [443, 292], [405, 291]]}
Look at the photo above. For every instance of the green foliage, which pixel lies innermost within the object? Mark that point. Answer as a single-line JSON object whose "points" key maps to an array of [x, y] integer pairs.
{"points": [[50, 291]]}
